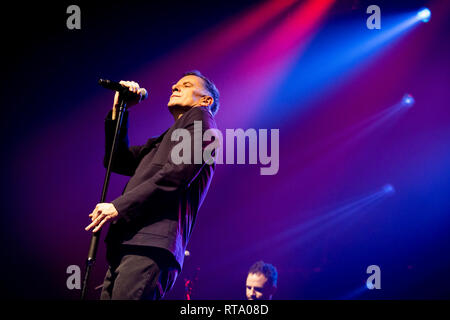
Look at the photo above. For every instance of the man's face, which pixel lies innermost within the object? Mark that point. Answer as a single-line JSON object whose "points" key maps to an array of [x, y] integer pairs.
{"points": [[257, 287], [189, 91]]}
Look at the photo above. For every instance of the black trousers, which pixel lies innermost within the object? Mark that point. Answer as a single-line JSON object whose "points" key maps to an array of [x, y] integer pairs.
{"points": [[138, 273]]}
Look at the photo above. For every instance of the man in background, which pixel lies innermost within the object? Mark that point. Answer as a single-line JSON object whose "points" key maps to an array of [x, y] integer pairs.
{"points": [[261, 281]]}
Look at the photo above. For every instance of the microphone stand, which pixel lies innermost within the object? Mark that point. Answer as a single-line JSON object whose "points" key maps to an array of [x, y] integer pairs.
{"points": [[96, 236]]}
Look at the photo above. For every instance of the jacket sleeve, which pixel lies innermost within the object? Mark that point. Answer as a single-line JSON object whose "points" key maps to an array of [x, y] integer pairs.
{"points": [[171, 180], [126, 158]]}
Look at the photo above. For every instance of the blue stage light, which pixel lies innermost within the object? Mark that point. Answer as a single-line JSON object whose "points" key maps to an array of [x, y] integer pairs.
{"points": [[408, 100], [424, 15], [388, 189]]}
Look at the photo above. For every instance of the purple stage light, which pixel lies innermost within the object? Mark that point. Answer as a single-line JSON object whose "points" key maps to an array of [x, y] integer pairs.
{"points": [[408, 100]]}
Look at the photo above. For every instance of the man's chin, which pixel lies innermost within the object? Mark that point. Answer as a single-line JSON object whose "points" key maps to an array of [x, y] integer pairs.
{"points": [[177, 107]]}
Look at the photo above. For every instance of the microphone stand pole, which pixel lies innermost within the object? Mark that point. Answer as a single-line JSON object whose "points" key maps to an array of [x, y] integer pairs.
{"points": [[96, 236]]}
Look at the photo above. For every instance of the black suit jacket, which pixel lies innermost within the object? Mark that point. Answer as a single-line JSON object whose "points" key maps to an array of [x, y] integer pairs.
{"points": [[159, 204]]}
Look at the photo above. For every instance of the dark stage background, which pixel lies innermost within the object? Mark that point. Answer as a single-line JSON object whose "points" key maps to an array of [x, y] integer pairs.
{"points": [[361, 180]]}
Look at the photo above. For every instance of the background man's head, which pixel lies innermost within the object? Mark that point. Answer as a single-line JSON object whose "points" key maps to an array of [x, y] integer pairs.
{"points": [[261, 281], [194, 90]]}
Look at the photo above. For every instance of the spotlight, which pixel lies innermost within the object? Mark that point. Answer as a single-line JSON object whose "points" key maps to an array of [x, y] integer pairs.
{"points": [[388, 189], [408, 100], [424, 15]]}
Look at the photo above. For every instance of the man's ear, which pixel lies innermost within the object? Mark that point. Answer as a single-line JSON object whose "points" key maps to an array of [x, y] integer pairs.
{"points": [[207, 101]]}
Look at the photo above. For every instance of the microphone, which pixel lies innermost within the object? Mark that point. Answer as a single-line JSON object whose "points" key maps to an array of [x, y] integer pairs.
{"points": [[116, 86]]}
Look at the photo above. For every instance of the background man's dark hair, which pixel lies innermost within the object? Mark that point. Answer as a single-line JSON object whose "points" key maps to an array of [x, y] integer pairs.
{"points": [[268, 270], [209, 85]]}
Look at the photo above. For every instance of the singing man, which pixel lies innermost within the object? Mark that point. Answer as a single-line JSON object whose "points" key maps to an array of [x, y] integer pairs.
{"points": [[152, 221]]}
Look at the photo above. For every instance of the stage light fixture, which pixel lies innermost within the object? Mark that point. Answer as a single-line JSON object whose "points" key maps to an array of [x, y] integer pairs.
{"points": [[424, 14], [408, 100], [388, 189]]}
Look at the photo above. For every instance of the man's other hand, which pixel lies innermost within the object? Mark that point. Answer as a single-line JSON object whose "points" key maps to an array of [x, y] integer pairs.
{"points": [[102, 213]]}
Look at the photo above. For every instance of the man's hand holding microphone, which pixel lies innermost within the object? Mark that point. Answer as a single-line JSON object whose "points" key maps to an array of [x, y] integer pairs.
{"points": [[135, 95]]}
